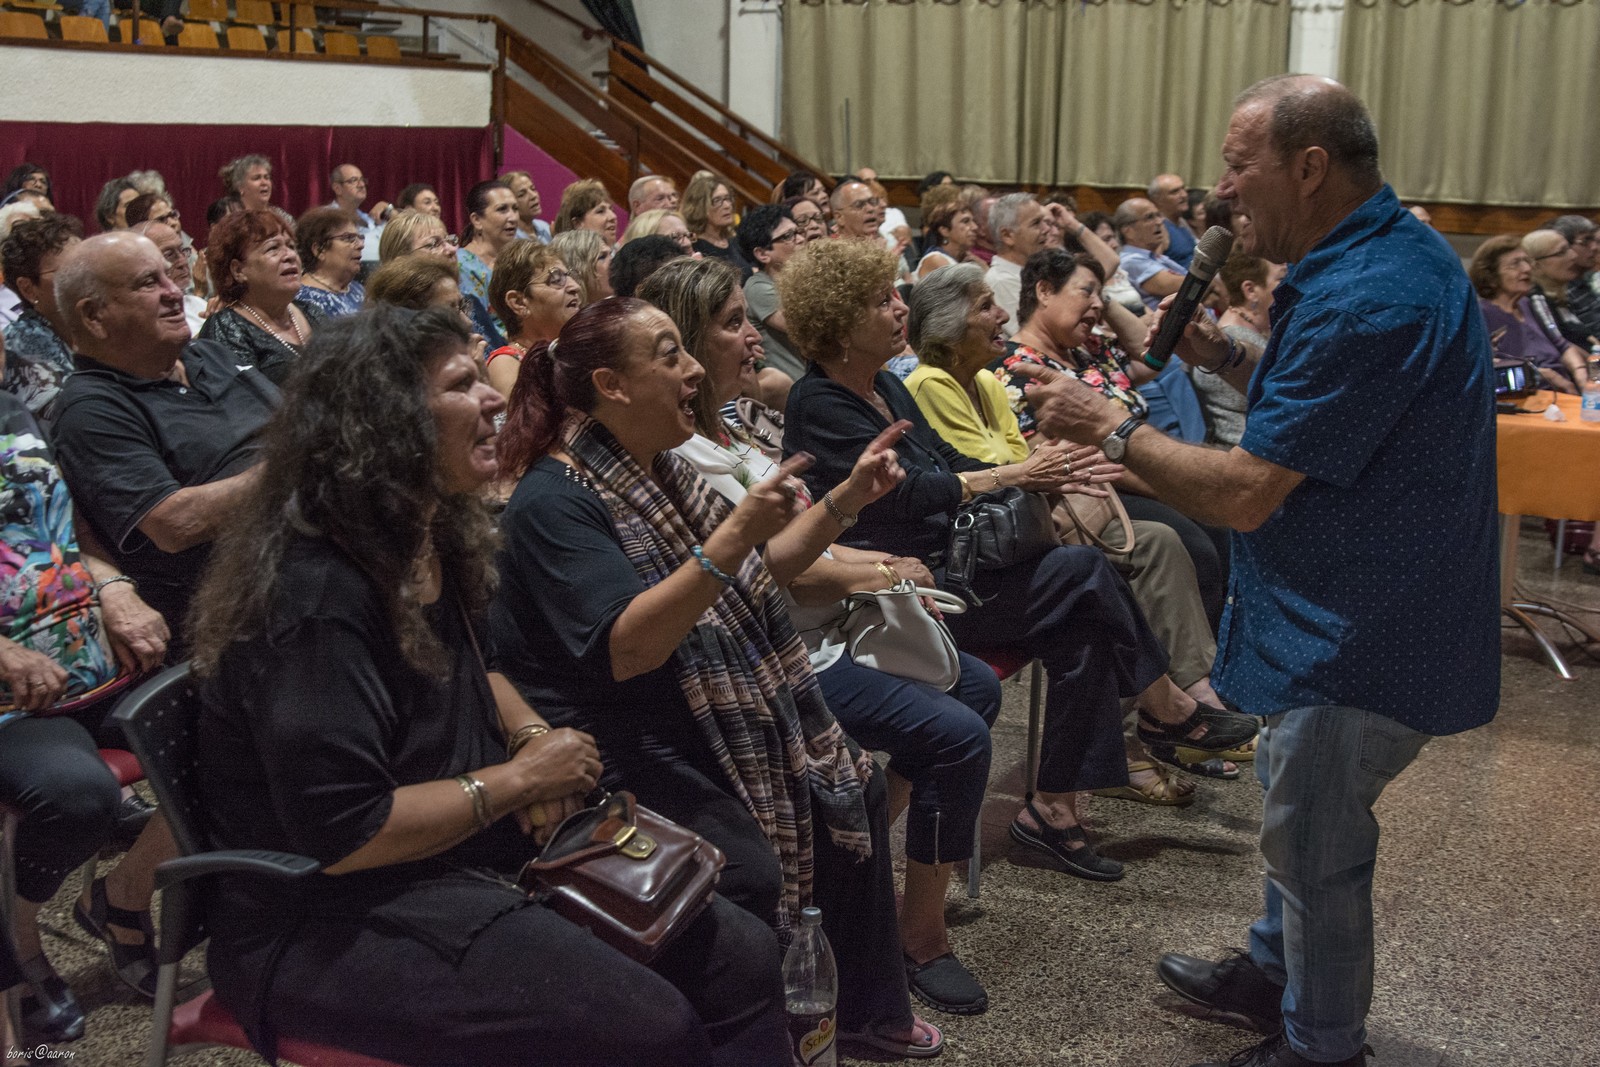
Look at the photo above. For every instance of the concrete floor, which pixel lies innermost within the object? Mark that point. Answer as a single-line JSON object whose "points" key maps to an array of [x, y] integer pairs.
{"points": [[1488, 916]]}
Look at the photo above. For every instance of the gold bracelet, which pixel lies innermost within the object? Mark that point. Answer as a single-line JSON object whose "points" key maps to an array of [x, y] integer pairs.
{"points": [[524, 735], [888, 572], [480, 799], [994, 472], [966, 487]]}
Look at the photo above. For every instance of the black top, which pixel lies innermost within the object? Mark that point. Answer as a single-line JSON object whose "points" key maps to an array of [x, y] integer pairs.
{"points": [[564, 581], [835, 425], [306, 731], [253, 345], [127, 443], [733, 255]]}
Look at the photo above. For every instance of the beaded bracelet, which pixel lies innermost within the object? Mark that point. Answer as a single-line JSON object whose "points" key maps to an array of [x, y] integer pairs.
{"points": [[113, 581], [480, 798], [1235, 357], [709, 567]]}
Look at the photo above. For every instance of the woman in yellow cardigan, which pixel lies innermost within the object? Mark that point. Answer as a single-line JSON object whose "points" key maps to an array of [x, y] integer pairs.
{"points": [[955, 329]]}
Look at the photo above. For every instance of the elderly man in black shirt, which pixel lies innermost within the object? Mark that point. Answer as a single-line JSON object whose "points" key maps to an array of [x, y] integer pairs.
{"points": [[156, 433]]}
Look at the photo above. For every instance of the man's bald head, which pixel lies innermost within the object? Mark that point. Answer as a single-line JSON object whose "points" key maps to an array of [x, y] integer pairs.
{"points": [[119, 304], [1308, 110], [170, 244]]}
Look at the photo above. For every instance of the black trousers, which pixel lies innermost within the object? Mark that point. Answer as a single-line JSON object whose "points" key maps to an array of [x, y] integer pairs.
{"points": [[1207, 547], [533, 989], [65, 799], [1071, 609], [856, 896]]}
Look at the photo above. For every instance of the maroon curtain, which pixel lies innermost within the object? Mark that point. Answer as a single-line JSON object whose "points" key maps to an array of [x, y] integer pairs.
{"points": [[82, 157]]}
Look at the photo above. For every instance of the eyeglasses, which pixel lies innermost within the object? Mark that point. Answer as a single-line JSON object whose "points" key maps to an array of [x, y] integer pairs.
{"points": [[682, 237], [862, 205], [358, 180], [435, 244], [348, 238], [1516, 262], [464, 306], [1557, 254], [722, 201], [557, 279], [785, 238]]}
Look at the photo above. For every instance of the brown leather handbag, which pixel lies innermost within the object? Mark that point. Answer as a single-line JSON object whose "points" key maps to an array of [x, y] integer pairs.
{"points": [[635, 878], [1083, 520]]}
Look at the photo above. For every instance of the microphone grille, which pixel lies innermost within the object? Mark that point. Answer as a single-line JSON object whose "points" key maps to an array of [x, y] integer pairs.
{"points": [[1214, 246]]}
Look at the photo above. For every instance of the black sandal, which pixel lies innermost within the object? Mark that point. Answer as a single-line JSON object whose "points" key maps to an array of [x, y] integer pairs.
{"points": [[49, 1010], [1225, 729], [944, 983], [1082, 860], [135, 964]]}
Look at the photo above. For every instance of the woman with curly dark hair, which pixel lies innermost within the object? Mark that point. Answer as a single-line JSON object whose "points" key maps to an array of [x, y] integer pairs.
{"points": [[348, 717]]}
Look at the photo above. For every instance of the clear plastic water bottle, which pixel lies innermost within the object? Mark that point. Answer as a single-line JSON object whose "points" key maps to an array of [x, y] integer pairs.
{"points": [[811, 994], [1590, 412]]}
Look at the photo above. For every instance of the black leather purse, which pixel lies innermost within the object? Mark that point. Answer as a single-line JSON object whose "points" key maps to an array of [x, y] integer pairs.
{"points": [[994, 530]]}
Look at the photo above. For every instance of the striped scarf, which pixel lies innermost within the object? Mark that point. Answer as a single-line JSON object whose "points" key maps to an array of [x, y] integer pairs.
{"points": [[743, 668]]}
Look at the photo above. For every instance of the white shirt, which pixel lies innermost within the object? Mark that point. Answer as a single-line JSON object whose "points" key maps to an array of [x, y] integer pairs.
{"points": [[1005, 278]]}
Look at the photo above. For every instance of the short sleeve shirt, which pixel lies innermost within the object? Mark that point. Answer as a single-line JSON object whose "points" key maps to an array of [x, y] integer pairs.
{"points": [[127, 443], [1142, 265], [1375, 584], [1181, 243], [762, 296], [1004, 279]]}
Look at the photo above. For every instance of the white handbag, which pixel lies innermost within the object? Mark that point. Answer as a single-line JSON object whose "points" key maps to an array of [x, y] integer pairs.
{"points": [[890, 630]]}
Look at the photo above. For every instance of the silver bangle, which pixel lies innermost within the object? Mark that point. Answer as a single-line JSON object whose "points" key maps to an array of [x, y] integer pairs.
{"points": [[113, 581], [480, 798]]}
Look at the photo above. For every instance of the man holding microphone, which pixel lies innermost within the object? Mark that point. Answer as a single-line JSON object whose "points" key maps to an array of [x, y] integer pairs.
{"points": [[1363, 614]]}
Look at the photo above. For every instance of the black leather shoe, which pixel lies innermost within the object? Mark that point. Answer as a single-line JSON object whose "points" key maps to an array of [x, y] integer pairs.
{"points": [[50, 1011], [1234, 985], [133, 815], [1275, 1052]]}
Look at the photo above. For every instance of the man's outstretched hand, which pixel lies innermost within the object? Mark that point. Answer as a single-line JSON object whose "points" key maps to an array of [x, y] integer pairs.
{"points": [[1067, 409]]}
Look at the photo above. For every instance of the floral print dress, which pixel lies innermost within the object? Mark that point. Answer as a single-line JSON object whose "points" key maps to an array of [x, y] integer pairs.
{"points": [[1098, 365]]}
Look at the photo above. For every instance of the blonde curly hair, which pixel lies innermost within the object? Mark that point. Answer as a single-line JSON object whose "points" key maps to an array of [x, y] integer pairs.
{"points": [[827, 288]]}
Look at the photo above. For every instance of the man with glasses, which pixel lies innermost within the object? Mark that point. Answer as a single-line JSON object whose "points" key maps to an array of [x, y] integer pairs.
{"points": [[169, 243], [1143, 232], [769, 236], [1555, 267], [858, 211], [349, 192], [652, 193]]}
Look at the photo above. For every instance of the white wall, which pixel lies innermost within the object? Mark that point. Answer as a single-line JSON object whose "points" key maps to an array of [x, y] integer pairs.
{"points": [[71, 87], [755, 61], [691, 37]]}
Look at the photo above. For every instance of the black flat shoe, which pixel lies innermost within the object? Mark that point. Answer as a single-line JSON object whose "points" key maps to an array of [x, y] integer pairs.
{"points": [[1081, 860], [944, 983], [50, 1012], [135, 964], [1225, 729]]}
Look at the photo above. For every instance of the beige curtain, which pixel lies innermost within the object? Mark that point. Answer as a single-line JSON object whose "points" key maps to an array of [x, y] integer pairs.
{"points": [[1051, 92], [1481, 102]]}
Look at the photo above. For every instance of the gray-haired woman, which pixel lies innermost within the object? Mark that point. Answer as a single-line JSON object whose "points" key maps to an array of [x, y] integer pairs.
{"points": [[250, 179]]}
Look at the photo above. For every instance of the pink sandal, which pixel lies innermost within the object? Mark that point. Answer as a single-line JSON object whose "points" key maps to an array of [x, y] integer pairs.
{"points": [[927, 1043]]}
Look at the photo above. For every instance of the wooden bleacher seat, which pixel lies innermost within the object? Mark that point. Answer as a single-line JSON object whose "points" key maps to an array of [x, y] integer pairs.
{"points": [[22, 24], [148, 33], [254, 12], [383, 47], [304, 15], [34, 5], [302, 41], [197, 35], [246, 39], [335, 43], [206, 11], [83, 28]]}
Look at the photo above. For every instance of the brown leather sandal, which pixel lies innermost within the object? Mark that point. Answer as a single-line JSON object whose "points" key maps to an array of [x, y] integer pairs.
{"points": [[1168, 790]]}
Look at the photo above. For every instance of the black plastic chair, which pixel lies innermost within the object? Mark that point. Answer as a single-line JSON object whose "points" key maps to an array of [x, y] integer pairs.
{"points": [[160, 720]]}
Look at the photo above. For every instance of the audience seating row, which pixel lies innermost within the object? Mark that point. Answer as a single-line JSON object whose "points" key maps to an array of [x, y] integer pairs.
{"points": [[195, 34]]}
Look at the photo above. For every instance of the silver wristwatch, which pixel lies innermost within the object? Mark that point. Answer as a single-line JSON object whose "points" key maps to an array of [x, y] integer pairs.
{"points": [[1117, 444]]}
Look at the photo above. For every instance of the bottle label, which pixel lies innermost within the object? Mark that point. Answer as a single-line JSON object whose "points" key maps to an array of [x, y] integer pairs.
{"points": [[812, 1034]]}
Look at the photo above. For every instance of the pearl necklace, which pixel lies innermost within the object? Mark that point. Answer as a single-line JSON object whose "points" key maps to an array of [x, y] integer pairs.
{"points": [[273, 331], [326, 284]]}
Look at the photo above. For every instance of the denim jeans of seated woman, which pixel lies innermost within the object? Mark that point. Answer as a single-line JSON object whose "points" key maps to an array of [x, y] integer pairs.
{"points": [[1323, 769], [939, 742]]}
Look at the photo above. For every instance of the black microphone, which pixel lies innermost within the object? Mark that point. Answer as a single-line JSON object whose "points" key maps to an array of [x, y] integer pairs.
{"points": [[1209, 255]]}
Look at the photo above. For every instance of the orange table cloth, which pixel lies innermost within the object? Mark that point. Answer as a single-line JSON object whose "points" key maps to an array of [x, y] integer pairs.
{"points": [[1549, 468]]}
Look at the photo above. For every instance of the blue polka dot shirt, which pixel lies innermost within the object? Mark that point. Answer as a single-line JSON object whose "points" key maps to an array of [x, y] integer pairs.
{"points": [[1375, 585]]}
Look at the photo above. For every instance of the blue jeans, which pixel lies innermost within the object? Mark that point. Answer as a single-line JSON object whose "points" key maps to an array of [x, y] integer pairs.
{"points": [[939, 742], [1323, 768], [99, 9]]}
